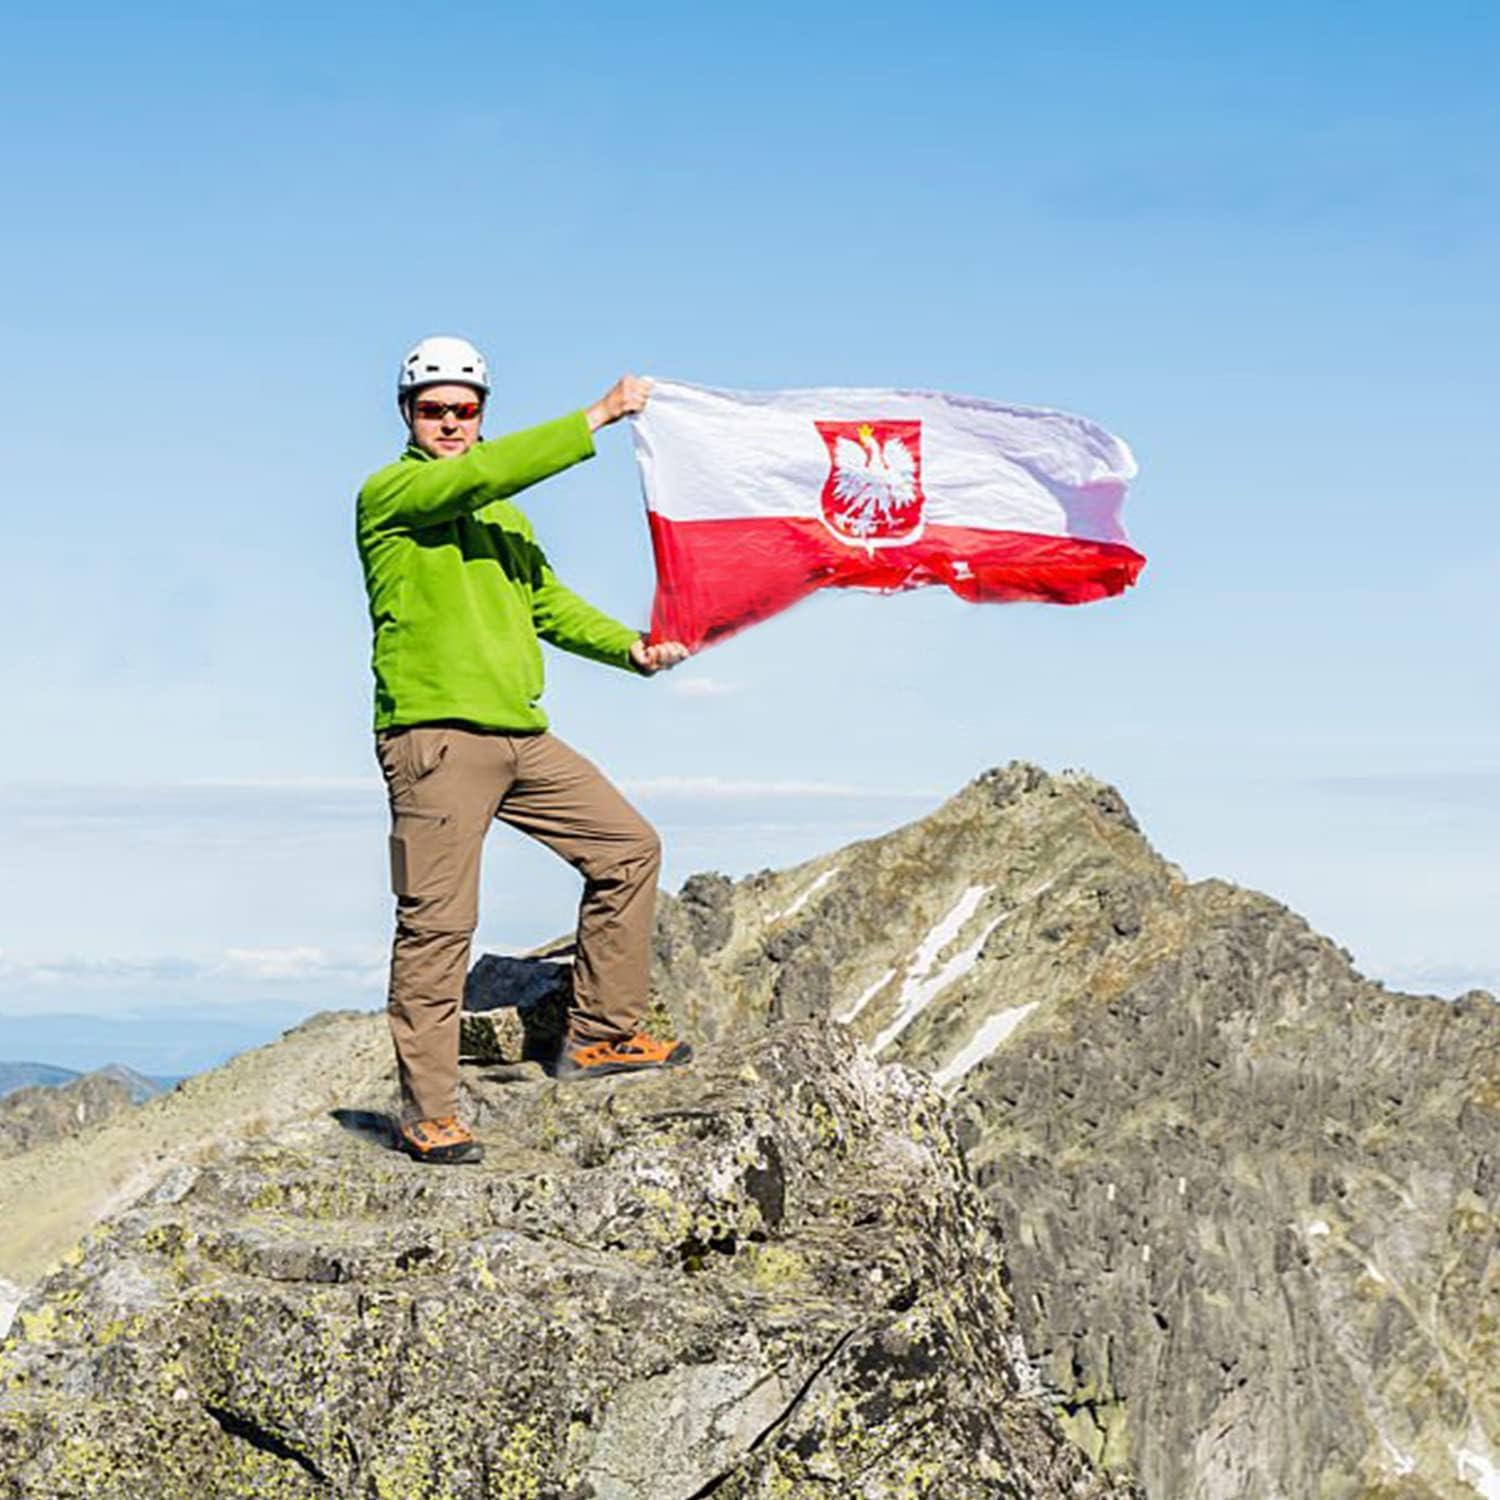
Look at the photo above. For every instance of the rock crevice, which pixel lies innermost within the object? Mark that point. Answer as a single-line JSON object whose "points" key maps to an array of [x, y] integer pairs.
{"points": [[764, 1276]]}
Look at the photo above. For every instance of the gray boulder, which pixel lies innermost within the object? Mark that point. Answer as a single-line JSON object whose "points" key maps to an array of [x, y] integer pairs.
{"points": [[765, 1275]]}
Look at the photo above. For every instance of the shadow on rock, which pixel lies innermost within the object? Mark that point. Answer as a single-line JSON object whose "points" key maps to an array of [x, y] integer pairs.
{"points": [[368, 1125]]}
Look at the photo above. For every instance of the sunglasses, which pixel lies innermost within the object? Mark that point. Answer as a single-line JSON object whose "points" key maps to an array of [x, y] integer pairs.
{"points": [[434, 411]]}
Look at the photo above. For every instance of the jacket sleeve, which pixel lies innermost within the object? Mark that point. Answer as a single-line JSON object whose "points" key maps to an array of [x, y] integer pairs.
{"points": [[573, 624], [407, 495]]}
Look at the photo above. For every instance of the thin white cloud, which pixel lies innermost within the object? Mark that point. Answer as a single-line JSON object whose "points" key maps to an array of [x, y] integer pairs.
{"points": [[1439, 978], [357, 969], [710, 788], [278, 783], [703, 687], [1479, 788], [295, 963], [115, 797], [106, 971]]}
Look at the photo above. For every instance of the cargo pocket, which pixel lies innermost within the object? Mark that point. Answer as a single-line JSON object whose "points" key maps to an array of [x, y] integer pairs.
{"points": [[424, 856]]}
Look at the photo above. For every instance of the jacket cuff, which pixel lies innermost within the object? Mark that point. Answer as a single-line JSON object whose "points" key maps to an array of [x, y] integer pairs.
{"points": [[581, 417]]}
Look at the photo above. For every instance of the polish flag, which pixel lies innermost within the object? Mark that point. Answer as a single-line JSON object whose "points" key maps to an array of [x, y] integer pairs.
{"points": [[757, 498]]}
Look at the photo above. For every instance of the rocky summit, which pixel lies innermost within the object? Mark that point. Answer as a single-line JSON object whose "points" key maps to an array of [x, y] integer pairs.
{"points": [[1249, 1197], [765, 1275], [1001, 1128]]}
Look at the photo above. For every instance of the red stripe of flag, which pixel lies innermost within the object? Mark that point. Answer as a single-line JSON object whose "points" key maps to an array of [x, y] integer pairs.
{"points": [[715, 577]]}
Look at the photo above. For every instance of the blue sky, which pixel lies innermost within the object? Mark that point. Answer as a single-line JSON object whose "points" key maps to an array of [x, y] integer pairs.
{"points": [[1259, 244]]}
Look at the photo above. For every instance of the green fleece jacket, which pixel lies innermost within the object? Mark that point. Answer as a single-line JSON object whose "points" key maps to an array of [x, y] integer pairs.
{"points": [[459, 589]]}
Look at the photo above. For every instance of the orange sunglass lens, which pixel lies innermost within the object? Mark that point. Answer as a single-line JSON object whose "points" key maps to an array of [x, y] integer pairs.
{"points": [[465, 411]]}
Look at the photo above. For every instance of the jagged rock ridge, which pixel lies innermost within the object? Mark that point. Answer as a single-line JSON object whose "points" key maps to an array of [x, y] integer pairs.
{"points": [[1249, 1196], [765, 1276]]}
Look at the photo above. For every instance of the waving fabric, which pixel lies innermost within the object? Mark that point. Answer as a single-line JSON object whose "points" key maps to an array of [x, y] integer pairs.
{"points": [[757, 498]]}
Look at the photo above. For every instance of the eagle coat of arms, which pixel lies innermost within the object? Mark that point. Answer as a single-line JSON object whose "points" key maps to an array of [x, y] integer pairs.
{"points": [[873, 494]]}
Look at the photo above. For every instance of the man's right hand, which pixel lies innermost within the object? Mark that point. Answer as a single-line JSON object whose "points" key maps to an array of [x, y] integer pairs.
{"points": [[627, 395]]}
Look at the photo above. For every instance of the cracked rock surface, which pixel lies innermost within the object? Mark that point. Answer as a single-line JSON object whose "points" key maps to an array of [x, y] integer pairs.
{"points": [[1251, 1199], [766, 1275], [1248, 1199]]}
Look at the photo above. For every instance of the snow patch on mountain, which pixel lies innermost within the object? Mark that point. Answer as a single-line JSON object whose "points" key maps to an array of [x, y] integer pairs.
{"points": [[807, 895], [10, 1300], [866, 996], [984, 1041], [1478, 1471], [923, 985]]}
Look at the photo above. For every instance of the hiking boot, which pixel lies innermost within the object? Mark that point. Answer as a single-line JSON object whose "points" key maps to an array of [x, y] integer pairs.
{"points": [[630, 1054], [440, 1143]]}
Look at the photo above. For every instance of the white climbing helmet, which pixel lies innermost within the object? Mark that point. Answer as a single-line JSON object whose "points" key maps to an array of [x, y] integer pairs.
{"points": [[442, 360]]}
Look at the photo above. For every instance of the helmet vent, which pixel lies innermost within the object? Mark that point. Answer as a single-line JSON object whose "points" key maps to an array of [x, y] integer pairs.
{"points": [[442, 358]]}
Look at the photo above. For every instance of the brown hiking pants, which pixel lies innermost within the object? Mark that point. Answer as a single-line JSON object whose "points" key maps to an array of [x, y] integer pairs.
{"points": [[446, 783]]}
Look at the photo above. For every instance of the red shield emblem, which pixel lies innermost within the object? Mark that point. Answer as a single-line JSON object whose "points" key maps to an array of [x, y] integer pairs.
{"points": [[873, 494]]}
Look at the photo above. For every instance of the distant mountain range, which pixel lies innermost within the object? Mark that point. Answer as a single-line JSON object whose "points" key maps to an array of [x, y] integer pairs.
{"points": [[25, 1075], [156, 1041], [63, 1104]]}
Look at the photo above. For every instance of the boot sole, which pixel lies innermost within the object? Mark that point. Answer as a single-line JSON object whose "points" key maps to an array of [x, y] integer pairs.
{"points": [[445, 1156], [569, 1074]]}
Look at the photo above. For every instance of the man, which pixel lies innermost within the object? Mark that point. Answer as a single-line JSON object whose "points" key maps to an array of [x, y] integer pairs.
{"points": [[459, 593]]}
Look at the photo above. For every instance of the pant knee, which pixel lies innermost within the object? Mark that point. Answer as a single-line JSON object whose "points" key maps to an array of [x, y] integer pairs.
{"points": [[644, 855], [428, 963], [632, 862], [649, 851]]}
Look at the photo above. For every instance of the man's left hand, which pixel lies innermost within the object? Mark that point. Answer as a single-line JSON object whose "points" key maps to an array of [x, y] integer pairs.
{"points": [[653, 659]]}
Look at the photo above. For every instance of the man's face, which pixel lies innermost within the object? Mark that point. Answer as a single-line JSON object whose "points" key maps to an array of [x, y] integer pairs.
{"points": [[444, 419]]}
